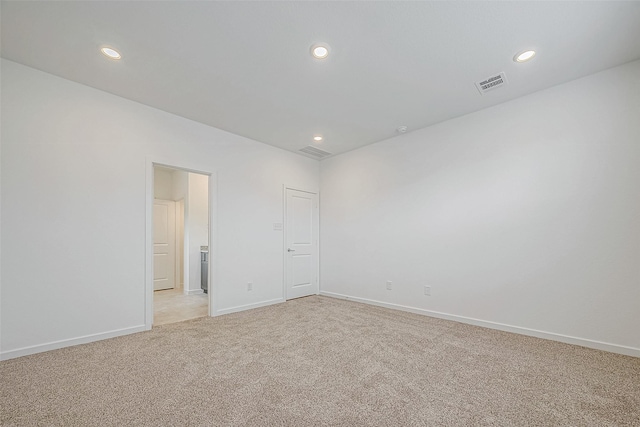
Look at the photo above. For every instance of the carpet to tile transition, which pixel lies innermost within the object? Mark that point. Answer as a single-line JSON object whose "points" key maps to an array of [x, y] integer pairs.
{"points": [[321, 361]]}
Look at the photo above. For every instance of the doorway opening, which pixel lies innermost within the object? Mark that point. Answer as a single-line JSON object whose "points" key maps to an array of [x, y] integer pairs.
{"points": [[180, 238]]}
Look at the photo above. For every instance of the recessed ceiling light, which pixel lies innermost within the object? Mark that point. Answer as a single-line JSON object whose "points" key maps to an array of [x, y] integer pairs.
{"points": [[317, 138], [402, 129], [110, 53], [320, 51], [524, 56]]}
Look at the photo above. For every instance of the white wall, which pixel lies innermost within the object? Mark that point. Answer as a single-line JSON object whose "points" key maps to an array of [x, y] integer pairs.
{"points": [[163, 184], [526, 214], [180, 187], [180, 193], [73, 209], [197, 227]]}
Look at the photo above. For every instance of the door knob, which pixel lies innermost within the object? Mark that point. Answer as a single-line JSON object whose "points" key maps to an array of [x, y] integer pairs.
{"points": [[291, 250]]}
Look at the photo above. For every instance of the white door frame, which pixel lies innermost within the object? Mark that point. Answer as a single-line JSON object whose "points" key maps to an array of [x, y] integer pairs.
{"points": [[284, 235], [193, 167]]}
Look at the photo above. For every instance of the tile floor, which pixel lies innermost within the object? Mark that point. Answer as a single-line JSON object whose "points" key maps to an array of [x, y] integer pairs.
{"points": [[172, 305]]}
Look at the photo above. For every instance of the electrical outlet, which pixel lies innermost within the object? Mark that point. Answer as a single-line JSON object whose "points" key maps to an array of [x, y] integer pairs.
{"points": [[389, 285], [249, 286], [427, 290]]}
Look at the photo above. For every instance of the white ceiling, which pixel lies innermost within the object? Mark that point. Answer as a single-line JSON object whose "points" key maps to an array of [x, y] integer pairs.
{"points": [[245, 67]]}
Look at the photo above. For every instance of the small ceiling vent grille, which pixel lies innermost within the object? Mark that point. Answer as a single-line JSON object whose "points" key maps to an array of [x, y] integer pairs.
{"points": [[316, 152], [491, 83]]}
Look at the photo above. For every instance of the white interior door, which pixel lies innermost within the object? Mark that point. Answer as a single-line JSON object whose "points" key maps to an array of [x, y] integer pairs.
{"points": [[179, 244], [164, 244], [301, 239]]}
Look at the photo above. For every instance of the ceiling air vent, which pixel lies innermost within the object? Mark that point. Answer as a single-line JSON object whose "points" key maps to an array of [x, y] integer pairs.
{"points": [[315, 152], [491, 83]]}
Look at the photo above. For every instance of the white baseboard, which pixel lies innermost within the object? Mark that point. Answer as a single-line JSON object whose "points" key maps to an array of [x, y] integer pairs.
{"points": [[598, 345], [235, 309], [25, 351], [193, 291]]}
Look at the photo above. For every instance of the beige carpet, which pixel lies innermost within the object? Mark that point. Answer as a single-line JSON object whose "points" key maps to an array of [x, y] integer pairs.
{"points": [[321, 361]]}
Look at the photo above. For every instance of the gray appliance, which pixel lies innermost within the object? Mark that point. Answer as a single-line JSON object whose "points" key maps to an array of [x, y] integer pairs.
{"points": [[204, 268]]}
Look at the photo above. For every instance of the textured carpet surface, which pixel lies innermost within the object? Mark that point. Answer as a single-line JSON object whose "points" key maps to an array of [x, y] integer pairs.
{"points": [[321, 361]]}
